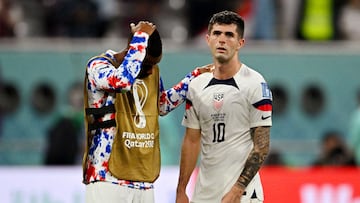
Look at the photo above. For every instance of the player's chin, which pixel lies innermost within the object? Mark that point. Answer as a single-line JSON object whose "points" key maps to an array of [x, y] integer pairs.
{"points": [[221, 58]]}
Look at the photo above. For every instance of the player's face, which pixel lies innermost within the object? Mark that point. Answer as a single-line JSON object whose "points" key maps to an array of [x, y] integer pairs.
{"points": [[224, 42]]}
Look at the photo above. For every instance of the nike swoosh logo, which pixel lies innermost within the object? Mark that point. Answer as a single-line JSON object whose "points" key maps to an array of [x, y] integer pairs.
{"points": [[266, 117]]}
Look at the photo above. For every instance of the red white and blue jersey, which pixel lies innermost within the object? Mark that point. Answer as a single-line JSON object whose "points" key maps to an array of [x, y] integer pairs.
{"points": [[102, 83], [225, 111]]}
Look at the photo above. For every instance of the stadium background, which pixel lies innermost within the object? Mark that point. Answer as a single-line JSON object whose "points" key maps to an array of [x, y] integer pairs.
{"points": [[296, 134], [314, 85], [293, 67]]}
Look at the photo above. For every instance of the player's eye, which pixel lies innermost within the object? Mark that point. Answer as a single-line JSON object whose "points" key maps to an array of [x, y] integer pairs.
{"points": [[217, 33], [229, 34]]}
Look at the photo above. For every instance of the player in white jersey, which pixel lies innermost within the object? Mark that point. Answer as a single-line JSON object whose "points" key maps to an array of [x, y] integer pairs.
{"points": [[228, 119]]}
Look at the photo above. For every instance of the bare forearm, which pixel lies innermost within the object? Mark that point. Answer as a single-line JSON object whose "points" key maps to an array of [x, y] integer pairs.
{"points": [[189, 155], [261, 139]]}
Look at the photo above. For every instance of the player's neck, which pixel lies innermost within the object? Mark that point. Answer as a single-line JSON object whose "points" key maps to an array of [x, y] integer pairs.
{"points": [[225, 71]]}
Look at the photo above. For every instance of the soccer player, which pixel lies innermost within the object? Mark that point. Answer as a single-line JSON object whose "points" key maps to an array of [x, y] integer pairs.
{"points": [[228, 119], [124, 97]]}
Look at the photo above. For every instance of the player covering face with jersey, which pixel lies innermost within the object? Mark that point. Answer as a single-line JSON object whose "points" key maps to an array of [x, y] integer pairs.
{"points": [[123, 99]]}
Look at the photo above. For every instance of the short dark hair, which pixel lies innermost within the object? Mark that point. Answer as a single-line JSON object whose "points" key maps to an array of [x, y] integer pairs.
{"points": [[153, 54], [228, 17], [154, 47]]}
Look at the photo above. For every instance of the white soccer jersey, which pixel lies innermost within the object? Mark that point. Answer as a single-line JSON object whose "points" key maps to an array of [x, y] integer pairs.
{"points": [[225, 110]]}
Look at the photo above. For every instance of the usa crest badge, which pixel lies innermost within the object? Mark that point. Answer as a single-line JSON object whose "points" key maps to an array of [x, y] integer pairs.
{"points": [[218, 101]]}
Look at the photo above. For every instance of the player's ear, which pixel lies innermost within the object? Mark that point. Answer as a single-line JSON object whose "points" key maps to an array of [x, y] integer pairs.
{"points": [[241, 43], [207, 38]]}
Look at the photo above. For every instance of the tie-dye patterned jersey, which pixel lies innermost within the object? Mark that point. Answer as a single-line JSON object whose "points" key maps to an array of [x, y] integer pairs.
{"points": [[102, 82]]}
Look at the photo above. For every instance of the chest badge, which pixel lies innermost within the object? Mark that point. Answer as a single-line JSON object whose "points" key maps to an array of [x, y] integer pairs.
{"points": [[218, 101]]}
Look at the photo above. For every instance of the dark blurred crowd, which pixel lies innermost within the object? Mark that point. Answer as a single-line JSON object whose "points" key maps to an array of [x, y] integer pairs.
{"points": [[180, 19]]}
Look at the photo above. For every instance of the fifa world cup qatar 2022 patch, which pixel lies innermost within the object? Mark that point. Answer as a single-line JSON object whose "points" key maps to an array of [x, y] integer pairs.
{"points": [[265, 104], [266, 93]]}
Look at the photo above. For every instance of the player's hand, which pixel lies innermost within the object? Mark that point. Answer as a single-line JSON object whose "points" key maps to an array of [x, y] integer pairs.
{"points": [[182, 197], [206, 68], [233, 196], [143, 26], [202, 69]]}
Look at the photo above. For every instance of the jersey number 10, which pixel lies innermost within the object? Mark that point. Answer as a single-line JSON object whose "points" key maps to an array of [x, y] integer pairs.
{"points": [[219, 132]]}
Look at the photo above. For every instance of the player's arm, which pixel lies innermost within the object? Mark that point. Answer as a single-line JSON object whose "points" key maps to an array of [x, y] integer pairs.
{"points": [[261, 139], [260, 106], [189, 154], [105, 76], [175, 96]]}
